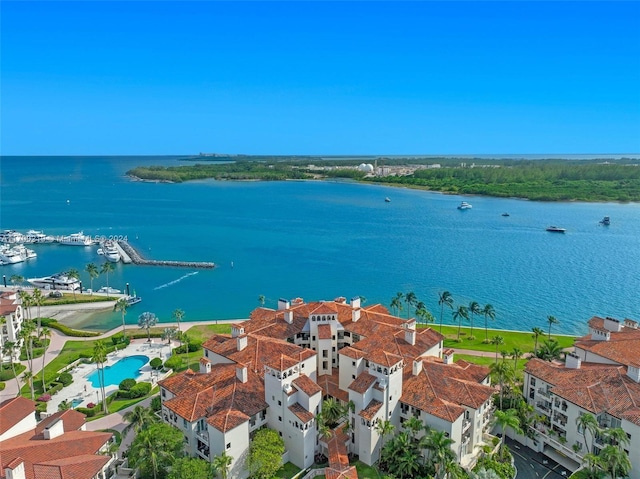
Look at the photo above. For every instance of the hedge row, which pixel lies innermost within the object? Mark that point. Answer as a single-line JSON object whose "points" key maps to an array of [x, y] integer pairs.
{"points": [[53, 324]]}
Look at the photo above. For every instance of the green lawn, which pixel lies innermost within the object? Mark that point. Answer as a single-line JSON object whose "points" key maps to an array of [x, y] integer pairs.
{"points": [[288, 471], [203, 332], [367, 472]]}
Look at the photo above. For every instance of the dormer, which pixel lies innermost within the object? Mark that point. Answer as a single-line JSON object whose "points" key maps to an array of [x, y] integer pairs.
{"points": [[205, 365], [447, 356], [15, 469], [629, 323], [53, 430]]}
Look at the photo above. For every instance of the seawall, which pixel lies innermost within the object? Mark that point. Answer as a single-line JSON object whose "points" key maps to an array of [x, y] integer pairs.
{"points": [[137, 259]]}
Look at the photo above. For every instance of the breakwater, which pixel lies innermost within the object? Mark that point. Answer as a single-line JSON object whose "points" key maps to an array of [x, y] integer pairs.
{"points": [[137, 259]]}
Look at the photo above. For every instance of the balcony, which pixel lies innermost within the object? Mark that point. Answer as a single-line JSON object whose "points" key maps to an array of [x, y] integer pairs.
{"points": [[466, 424], [203, 435], [561, 421], [543, 407], [465, 439], [544, 392]]}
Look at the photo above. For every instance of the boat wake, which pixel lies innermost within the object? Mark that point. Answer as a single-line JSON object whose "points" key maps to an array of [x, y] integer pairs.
{"points": [[171, 283]]}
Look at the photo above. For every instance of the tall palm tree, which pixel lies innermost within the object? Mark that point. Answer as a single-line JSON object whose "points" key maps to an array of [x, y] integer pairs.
{"points": [[169, 334], [147, 321], [505, 420], [122, 305], [439, 447], [75, 274], [396, 303], [489, 313], [617, 437], [26, 301], [178, 314], [37, 298], [261, 300], [100, 357], [537, 332], [92, 269], [138, 418], [27, 377], [588, 423], [107, 268], [46, 336], [497, 340], [501, 372], [444, 299], [221, 464], [26, 335], [410, 299], [615, 461], [413, 425], [384, 429], [551, 320], [423, 314], [460, 314], [474, 308], [9, 348], [16, 279], [550, 350], [516, 354]]}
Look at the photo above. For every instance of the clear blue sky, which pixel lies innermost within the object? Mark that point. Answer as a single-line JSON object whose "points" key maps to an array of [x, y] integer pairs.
{"points": [[119, 77]]}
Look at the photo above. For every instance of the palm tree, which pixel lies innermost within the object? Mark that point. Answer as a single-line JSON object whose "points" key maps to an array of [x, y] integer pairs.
{"points": [[147, 321], [169, 334], [615, 461], [516, 354], [75, 274], [16, 279], [332, 411], [184, 339], [92, 269], [505, 420], [551, 321], [178, 314], [122, 305], [423, 314], [27, 377], [502, 372], [139, 418], [384, 429], [221, 464], [410, 299], [537, 332], [549, 350], [617, 437], [444, 299], [65, 405], [489, 313], [458, 315], [497, 340], [107, 268], [261, 300], [474, 308], [46, 335], [396, 303], [26, 335], [37, 299], [414, 426], [100, 357], [439, 447], [588, 423], [9, 348]]}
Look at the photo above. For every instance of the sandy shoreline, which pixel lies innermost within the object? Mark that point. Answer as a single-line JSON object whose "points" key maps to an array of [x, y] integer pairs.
{"points": [[75, 316]]}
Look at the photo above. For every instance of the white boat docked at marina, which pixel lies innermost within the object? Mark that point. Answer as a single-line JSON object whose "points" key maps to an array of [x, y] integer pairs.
{"points": [[11, 237], [76, 239], [33, 236], [56, 281], [109, 290], [15, 254], [110, 251]]}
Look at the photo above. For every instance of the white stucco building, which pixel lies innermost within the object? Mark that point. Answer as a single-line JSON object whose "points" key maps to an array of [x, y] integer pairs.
{"points": [[12, 312]]}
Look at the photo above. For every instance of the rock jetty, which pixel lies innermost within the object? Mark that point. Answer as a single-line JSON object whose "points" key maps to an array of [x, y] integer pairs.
{"points": [[137, 259]]}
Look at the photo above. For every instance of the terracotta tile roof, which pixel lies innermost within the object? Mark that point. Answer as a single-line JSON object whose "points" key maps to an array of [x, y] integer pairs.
{"points": [[330, 386], [80, 467], [301, 413], [594, 387], [371, 410], [71, 421], [219, 396], [443, 389], [363, 382], [338, 456], [632, 415], [73, 447], [12, 411], [352, 353], [325, 307], [324, 331], [306, 385], [622, 347]]}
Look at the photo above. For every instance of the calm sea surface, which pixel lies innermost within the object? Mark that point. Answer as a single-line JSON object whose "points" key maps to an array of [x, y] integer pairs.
{"points": [[320, 240]]}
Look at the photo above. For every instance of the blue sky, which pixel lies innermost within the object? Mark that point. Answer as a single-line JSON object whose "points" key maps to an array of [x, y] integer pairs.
{"points": [[120, 77]]}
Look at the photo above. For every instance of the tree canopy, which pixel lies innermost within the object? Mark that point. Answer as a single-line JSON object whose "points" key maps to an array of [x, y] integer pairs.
{"points": [[265, 454]]}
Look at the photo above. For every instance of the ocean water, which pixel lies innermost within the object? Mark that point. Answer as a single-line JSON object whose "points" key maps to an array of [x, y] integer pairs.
{"points": [[323, 239]]}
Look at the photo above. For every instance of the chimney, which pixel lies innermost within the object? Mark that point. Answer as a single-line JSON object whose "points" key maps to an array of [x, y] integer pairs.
{"points": [[355, 315], [410, 336], [633, 371], [283, 304], [572, 361], [630, 323], [53, 430], [288, 316], [236, 330], [417, 367], [15, 469], [612, 324], [241, 342], [241, 373], [447, 356], [355, 302], [205, 365]]}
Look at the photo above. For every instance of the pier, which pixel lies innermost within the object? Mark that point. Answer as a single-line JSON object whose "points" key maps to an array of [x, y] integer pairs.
{"points": [[134, 257]]}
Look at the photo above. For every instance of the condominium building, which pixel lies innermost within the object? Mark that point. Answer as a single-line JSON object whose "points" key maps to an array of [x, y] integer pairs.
{"points": [[11, 311], [275, 369], [601, 377]]}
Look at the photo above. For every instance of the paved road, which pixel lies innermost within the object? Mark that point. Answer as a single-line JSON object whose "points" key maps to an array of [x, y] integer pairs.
{"points": [[535, 465]]}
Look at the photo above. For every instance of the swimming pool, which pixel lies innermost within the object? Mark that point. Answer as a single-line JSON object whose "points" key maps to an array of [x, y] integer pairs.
{"points": [[128, 367]]}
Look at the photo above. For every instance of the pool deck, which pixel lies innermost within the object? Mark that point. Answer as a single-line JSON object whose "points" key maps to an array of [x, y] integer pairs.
{"points": [[83, 392]]}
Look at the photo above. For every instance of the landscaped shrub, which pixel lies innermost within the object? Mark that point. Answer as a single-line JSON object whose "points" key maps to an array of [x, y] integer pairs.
{"points": [[53, 324], [44, 398], [156, 363], [156, 403], [193, 347], [174, 362], [91, 405], [2, 386], [127, 384], [65, 379], [41, 407], [140, 390], [54, 387], [119, 340]]}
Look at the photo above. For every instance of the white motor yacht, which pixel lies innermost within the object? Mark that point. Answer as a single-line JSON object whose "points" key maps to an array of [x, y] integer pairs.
{"points": [[10, 255], [25, 252], [109, 290], [464, 206], [56, 281], [33, 236], [77, 239], [110, 251], [11, 237]]}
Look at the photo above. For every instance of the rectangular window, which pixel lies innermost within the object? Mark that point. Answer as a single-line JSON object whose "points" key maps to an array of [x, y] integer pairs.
{"points": [[228, 445], [353, 363], [280, 418], [325, 353], [184, 423], [279, 403], [313, 338], [164, 393]]}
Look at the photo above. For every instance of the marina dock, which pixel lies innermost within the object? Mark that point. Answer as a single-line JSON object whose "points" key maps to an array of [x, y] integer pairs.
{"points": [[132, 256]]}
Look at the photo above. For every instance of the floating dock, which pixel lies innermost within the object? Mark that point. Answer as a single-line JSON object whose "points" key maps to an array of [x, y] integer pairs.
{"points": [[134, 257]]}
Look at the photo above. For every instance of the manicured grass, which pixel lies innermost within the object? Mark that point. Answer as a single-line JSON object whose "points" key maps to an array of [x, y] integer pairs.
{"points": [[366, 472], [203, 332], [522, 340], [287, 471], [486, 361], [68, 298]]}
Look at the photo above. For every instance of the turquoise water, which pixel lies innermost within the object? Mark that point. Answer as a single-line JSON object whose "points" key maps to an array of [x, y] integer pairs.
{"points": [[123, 369], [320, 240]]}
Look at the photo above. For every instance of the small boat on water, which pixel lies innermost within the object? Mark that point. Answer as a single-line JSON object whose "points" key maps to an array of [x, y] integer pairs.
{"points": [[555, 229], [135, 299], [108, 290], [33, 236], [10, 255], [606, 221], [77, 239], [387, 200], [464, 206], [110, 251], [56, 281], [505, 214]]}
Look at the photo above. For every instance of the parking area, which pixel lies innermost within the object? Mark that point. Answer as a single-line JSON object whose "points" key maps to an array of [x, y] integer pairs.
{"points": [[535, 465]]}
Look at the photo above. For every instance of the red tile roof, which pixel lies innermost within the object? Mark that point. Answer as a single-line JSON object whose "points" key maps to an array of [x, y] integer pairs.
{"points": [[363, 382], [306, 385], [371, 410], [12, 411], [622, 347], [324, 331], [330, 386], [301, 413], [72, 421]]}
